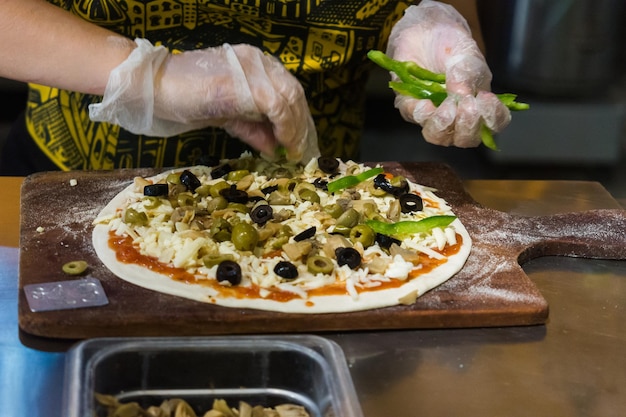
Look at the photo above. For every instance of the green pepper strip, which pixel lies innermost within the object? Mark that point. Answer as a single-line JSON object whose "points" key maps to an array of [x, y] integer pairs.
{"points": [[404, 70], [411, 73], [421, 83], [418, 91], [352, 180], [409, 227], [508, 100], [486, 137]]}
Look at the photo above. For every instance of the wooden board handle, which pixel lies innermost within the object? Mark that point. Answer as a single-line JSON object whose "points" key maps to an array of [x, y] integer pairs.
{"points": [[597, 234]]}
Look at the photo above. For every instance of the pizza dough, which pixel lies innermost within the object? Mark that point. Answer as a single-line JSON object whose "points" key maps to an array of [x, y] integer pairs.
{"points": [[175, 242]]}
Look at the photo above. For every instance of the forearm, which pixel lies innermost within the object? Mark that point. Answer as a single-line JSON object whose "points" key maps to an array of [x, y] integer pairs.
{"points": [[44, 44]]}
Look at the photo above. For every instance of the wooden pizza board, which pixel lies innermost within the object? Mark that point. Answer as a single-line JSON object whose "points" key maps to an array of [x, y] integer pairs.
{"points": [[490, 290]]}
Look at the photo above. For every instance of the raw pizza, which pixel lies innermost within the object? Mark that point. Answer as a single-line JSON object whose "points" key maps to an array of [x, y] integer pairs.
{"points": [[326, 237]]}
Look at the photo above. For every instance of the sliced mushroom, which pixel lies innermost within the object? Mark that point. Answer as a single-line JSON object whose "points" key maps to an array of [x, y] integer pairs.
{"points": [[282, 215], [333, 242], [183, 409], [291, 410], [182, 215], [268, 230], [297, 250], [378, 265], [406, 254], [409, 298], [394, 211]]}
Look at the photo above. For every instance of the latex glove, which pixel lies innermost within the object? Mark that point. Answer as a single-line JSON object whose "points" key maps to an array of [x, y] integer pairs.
{"points": [[436, 37], [236, 87]]}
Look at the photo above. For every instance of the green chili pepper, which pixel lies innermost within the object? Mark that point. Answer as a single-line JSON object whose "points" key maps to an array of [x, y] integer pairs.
{"points": [[352, 180], [408, 227]]}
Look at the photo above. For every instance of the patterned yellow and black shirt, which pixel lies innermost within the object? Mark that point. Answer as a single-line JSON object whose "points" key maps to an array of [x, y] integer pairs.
{"points": [[322, 42]]}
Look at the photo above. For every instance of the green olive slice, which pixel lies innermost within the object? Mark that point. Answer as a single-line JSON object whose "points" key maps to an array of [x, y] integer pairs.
{"points": [[75, 267], [319, 265], [134, 217], [348, 218], [237, 174], [364, 234]]}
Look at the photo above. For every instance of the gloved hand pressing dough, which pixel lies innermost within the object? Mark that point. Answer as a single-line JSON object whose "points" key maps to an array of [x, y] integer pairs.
{"points": [[236, 87], [436, 37]]}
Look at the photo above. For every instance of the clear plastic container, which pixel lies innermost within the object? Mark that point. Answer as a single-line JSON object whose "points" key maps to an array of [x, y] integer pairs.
{"points": [[261, 370]]}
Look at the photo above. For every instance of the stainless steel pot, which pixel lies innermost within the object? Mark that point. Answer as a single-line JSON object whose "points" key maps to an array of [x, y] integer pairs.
{"points": [[553, 47]]}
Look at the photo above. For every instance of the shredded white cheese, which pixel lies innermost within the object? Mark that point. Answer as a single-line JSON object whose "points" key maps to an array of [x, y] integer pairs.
{"points": [[399, 268], [183, 245]]}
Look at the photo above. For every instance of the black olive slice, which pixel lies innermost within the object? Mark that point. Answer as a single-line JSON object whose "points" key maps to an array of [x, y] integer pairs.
{"points": [[189, 180], [321, 184], [286, 270], [328, 164], [380, 181], [255, 198], [269, 189], [233, 195], [220, 171], [403, 188], [306, 234], [410, 202], [156, 190], [261, 213], [348, 256], [229, 271], [385, 241]]}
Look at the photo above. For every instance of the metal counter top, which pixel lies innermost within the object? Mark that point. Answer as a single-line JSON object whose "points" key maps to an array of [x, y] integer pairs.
{"points": [[572, 366]]}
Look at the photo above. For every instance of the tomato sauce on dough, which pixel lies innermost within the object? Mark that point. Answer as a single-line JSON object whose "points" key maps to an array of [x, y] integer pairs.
{"points": [[128, 253]]}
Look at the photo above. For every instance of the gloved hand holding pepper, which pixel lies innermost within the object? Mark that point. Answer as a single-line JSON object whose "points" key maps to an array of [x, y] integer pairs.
{"points": [[436, 37], [236, 87]]}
